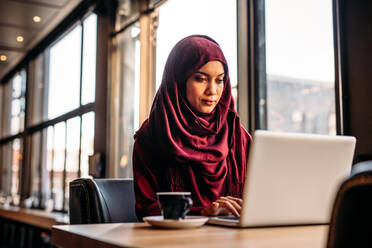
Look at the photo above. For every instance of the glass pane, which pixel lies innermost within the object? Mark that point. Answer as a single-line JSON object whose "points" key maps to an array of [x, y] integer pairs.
{"points": [[129, 48], [234, 92], [175, 23], [6, 109], [6, 171], [64, 74], [40, 178], [87, 142], [35, 169], [17, 109], [17, 119], [37, 85], [16, 165], [49, 164], [300, 66], [58, 164], [72, 155], [89, 59], [17, 86]]}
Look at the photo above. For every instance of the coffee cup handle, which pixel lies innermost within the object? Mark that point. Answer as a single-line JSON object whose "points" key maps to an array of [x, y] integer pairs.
{"points": [[188, 204]]}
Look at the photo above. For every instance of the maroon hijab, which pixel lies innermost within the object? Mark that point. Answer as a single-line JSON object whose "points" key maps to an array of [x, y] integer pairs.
{"points": [[213, 147]]}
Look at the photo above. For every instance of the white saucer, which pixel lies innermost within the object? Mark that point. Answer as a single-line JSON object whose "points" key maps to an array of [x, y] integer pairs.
{"points": [[188, 222]]}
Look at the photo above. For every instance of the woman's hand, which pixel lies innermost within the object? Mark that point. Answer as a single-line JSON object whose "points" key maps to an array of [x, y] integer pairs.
{"points": [[224, 206]]}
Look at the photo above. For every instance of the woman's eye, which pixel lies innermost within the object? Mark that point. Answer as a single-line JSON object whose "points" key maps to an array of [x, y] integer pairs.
{"points": [[220, 81], [200, 79]]}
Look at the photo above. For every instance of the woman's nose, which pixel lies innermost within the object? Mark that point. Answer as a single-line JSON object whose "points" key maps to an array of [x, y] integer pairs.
{"points": [[211, 88]]}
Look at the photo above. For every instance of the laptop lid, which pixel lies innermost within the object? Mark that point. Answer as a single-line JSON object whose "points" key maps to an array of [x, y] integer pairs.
{"points": [[293, 178]]}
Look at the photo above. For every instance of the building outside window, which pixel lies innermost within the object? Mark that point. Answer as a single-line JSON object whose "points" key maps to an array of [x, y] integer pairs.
{"points": [[300, 66]]}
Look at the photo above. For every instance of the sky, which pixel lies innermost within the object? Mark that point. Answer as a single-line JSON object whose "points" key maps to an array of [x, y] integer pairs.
{"points": [[299, 39]]}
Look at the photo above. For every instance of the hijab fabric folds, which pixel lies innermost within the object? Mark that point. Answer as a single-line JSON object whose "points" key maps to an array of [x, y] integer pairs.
{"points": [[179, 149]]}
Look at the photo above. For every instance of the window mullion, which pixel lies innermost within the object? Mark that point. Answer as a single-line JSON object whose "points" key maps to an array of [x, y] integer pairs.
{"points": [[80, 140], [243, 68], [81, 90], [52, 169], [81, 62], [40, 168], [148, 25], [64, 170], [24, 169]]}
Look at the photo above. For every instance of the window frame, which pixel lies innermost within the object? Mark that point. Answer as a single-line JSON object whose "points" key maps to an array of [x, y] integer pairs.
{"points": [[257, 68], [43, 126], [76, 17]]}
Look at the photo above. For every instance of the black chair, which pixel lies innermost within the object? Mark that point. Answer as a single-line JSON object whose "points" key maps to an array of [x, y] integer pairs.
{"points": [[351, 221], [102, 201]]}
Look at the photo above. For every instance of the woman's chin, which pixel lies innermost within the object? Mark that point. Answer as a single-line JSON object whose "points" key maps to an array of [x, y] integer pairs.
{"points": [[206, 110]]}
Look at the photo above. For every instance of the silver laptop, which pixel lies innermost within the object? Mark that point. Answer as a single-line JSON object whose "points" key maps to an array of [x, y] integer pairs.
{"points": [[292, 179]]}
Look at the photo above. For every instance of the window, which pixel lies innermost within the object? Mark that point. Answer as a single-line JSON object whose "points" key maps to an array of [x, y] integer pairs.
{"points": [[36, 173], [87, 142], [17, 116], [89, 60], [61, 119], [11, 146], [66, 140], [6, 172], [58, 164], [38, 88], [13, 105], [64, 74], [15, 169], [300, 66], [127, 90], [6, 109]]}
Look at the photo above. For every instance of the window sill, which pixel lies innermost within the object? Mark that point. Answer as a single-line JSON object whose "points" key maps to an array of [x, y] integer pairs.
{"points": [[37, 218]]}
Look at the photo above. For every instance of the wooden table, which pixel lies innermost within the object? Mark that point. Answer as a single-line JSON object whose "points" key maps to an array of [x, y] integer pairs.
{"points": [[143, 235]]}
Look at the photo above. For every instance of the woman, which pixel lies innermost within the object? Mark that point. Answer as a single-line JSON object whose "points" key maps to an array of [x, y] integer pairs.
{"points": [[193, 140]]}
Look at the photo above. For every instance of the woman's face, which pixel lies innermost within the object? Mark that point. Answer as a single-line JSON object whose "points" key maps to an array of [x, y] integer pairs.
{"points": [[204, 88]]}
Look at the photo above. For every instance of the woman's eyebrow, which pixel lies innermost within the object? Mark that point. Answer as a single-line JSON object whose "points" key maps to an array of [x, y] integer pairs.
{"points": [[206, 74]]}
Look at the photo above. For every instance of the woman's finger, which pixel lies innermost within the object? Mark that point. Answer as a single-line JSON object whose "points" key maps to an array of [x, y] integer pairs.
{"points": [[215, 207], [227, 204], [236, 205], [238, 200], [211, 210], [224, 206]]}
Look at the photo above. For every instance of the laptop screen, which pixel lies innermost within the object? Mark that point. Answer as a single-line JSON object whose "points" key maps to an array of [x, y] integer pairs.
{"points": [[293, 178]]}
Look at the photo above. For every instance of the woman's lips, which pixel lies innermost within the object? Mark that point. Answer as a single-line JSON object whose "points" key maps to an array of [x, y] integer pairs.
{"points": [[208, 102]]}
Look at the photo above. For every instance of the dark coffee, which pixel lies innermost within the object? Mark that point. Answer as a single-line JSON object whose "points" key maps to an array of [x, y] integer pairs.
{"points": [[174, 205]]}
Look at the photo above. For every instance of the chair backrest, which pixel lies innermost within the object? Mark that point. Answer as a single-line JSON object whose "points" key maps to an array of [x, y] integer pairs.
{"points": [[351, 220], [102, 201]]}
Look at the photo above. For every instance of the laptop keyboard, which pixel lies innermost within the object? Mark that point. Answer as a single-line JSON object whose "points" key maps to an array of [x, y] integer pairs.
{"points": [[229, 217]]}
